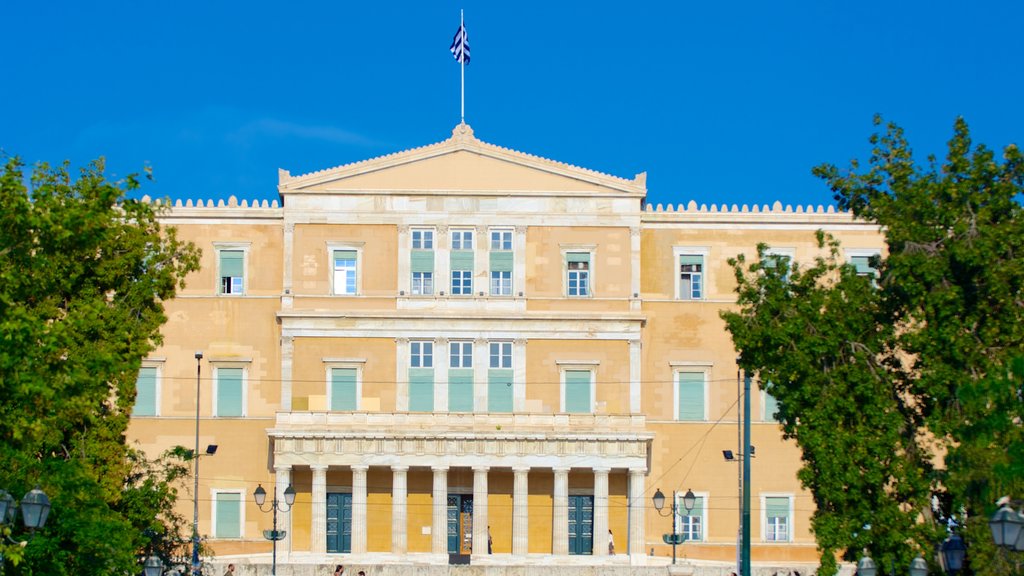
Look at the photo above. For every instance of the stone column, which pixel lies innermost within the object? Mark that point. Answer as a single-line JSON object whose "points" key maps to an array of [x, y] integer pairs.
{"points": [[441, 374], [439, 527], [636, 511], [519, 375], [480, 509], [402, 373], [520, 512], [560, 514], [635, 360], [359, 508], [399, 510], [601, 511], [287, 351], [404, 261], [481, 357], [318, 530], [282, 480]]}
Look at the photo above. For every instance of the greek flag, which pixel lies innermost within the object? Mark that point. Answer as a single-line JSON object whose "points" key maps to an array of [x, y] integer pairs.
{"points": [[460, 45]]}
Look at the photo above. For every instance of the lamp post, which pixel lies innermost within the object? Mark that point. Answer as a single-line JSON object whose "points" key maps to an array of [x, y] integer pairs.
{"points": [[953, 551], [195, 493], [867, 567], [260, 496], [153, 566], [35, 508], [659, 502]]}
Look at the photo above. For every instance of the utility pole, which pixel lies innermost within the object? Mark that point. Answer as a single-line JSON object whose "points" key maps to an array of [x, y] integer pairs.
{"points": [[745, 541]]}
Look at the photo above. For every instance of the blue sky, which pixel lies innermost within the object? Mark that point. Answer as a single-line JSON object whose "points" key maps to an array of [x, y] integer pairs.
{"points": [[719, 102]]}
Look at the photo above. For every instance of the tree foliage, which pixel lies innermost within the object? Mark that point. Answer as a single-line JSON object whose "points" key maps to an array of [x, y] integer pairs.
{"points": [[899, 390], [84, 272]]}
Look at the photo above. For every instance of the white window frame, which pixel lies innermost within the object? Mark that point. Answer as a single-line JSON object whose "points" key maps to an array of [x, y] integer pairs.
{"points": [[504, 285], [350, 363], [460, 288], [577, 248], [421, 355], [358, 247], [244, 365], [702, 251], [213, 512], [232, 246], [424, 233], [157, 384], [681, 513], [502, 345], [502, 230], [461, 355], [787, 252], [850, 253], [764, 517], [428, 277], [577, 366], [764, 409], [460, 236], [678, 367]]}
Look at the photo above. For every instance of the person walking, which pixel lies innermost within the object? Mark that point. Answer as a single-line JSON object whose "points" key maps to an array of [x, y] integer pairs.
{"points": [[611, 543], [230, 571], [339, 570]]}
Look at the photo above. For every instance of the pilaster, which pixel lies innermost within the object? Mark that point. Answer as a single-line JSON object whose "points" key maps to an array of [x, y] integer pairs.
{"points": [[318, 529], [399, 509], [359, 526], [480, 520], [600, 511], [560, 513], [439, 525], [520, 512]]}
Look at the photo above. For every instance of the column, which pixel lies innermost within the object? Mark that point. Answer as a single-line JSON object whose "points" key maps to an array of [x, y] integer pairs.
{"points": [[399, 509], [601, 511], [481, 262], [318, 530], [520, 512], [480, 509], [439, 527], [286, 281], [441, 374], [519, 375], [560, 514], [481, 360], [282, 480], [635, 372], [636, 511], [442, 261], [287, 351], [404, 263], [359, 508], [634, 269], [402, 374], [519, 268]]}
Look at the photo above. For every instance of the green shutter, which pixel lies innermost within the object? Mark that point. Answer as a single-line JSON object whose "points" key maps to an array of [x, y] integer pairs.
{"points": [[501, 261], [421, 389], [422, 260], [232, 263], [460, 390], [775, 507], [577, 257], [229, 391], [462, 260], [344, 254], [691, 396], [577, 391], [499, 390], [145, 393], [343, 389], [863, 265], [685, 259], [229, 515]]}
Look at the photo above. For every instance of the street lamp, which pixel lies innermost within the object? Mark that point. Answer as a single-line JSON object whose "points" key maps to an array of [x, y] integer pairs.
{"points": [[867, 567], [195, 493], [260, 496], [918, 567], [659, 502], [1007, 526], [153, 566], [953, 551], [35, 508]]}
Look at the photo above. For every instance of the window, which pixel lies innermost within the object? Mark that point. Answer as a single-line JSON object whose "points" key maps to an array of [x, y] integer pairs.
{"points": [[690, 396], [578, 273], [227, 514], [691, 276], [462, 262], [462, 282], [422, 262], [462, 239], [501, 282], [421, 376], [776, 518], [769, 405], [231, 267], [501, 240], [344, 389], [229, 396], [147, 392], [501, 262], [345, 272], [577, 391], [499, 377], [690, 524], [779, 258], [862, 261], [460, 377]]}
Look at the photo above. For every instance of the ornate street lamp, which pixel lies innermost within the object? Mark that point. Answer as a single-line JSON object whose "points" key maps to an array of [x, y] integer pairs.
{"points": [[918, 567], [35, 508], [1007, 526], [153, 566], [688, 502], [953, 551], [260, 496], [866, 566]]}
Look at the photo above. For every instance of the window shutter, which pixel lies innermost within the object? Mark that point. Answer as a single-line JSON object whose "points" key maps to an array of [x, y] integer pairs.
{"points": [[229, 391], [499, 390], [775, 507], [422, 260], [231, 263], [343, 389], [229, 515], [577, 391], [577, 257], [421, 389], [344, 255], [691, 396], [145, 393], [460, 390], [691, 259], [501, 261], [461, 260], [862, 264], [771, 407]]}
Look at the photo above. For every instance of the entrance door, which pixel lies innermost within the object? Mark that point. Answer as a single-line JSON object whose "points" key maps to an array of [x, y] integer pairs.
{"points": [[581, 524], [460, 524], [339, 522]]}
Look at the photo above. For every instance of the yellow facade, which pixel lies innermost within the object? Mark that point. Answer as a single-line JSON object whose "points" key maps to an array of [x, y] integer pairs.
{"points": [[461, 326]]}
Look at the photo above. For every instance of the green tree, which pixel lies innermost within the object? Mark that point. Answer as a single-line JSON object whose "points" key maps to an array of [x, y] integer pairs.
{"points": [[897, 389], [84, 272]]}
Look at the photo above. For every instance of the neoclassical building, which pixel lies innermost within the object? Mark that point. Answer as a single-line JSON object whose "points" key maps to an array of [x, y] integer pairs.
{"points": [[462, 352]]}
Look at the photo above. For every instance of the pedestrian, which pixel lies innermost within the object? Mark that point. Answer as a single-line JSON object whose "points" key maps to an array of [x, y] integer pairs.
{"points": [[361, 573], [490, 541], [339, 570], [611, 543], [230, 571]]}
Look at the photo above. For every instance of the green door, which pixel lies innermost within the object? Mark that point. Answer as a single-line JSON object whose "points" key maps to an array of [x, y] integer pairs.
{"points": [[460, 524], [339, 522], [581, 525]]}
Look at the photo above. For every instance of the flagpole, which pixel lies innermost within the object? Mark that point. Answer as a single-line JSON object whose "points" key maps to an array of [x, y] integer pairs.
{"points": [[462, 65]]}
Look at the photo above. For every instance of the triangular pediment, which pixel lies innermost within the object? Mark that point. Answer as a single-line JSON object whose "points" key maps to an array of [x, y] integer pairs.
{"points": [[462, 164]]}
